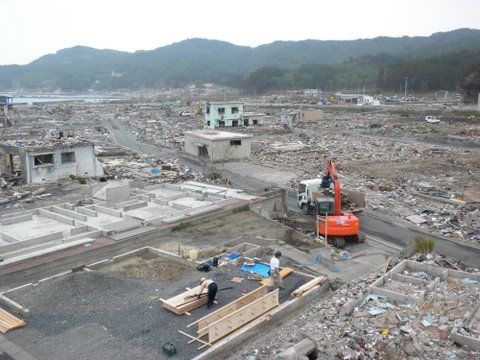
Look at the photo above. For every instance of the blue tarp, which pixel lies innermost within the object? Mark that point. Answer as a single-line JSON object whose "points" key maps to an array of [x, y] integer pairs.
{"points": [[259, 269]]}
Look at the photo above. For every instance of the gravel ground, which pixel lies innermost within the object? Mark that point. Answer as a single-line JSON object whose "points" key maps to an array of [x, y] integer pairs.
{"points": [[91, 315]]}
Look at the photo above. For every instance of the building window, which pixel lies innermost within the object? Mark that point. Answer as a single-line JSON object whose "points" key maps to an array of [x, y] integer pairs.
{"points": [[245, 122], [208, 123], [221, 123], [235, 142], [43, 159], [234, 110], [221, 111], [235, 123], [68, 157], [255, 122]]}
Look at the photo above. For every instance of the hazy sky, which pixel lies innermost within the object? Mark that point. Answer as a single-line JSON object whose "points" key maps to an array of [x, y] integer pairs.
{"points": [[32, 28]]}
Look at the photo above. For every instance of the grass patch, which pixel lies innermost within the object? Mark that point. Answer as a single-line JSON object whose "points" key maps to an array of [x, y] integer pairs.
{"points": [[76, 177], [424, 246], [241, 209], [181, 226], [425, 128], [214, 175], [466, 112]]}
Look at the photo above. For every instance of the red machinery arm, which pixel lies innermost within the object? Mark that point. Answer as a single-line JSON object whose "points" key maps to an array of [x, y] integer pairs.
{"points": [[332, 173]]}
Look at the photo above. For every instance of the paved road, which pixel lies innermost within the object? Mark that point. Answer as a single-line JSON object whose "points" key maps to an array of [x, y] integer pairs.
{"points": [[390, 230]]}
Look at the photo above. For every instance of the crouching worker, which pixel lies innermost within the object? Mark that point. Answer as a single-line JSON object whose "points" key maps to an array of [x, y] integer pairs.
{"points": [[211, 287]]}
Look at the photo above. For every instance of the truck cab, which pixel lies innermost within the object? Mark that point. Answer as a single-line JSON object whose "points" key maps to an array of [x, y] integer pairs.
{"points": [[307, 190]]}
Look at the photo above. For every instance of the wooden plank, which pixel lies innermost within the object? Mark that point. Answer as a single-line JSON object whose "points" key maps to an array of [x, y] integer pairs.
{"points": [[250, 297], [180, 304], [305, 287], [239, 318], [283, 273], [9, 322], [194, 338]]}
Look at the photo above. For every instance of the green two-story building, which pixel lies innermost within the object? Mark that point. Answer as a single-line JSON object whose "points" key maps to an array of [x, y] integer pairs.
{"points": [[224, 114]]}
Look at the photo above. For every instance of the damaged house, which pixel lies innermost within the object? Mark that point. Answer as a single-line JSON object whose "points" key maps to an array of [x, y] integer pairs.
{"points": [[217, 145], [37, 162]]}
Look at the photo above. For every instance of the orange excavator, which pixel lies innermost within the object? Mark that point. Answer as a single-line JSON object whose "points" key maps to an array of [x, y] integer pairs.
{"points": [[332, 223]]}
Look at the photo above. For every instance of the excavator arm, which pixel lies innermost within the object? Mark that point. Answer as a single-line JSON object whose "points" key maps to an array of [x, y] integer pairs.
{"points": [[329, 177]]}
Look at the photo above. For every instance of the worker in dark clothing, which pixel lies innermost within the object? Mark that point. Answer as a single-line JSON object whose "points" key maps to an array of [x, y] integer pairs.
{"points": [[211, 287]]}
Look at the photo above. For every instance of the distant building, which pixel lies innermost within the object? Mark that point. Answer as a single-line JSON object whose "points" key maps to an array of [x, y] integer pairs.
{"points": [[223, 114], [357, 99], [215, 145], [311, 92], [6, 102], [253, 118], [311, 115], [230, 114], [50, 160], [288, 118]]}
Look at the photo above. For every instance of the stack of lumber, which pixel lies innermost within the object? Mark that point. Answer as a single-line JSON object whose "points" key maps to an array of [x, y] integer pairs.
{"points": [[9, 322]]}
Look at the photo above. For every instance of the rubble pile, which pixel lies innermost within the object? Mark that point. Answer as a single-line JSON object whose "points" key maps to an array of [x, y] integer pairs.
{"points": [[390, 168], [378, 328], [149, 168]]}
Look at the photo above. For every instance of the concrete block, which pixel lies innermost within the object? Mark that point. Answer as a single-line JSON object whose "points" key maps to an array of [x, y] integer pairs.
{"points": [[20, 213], [90, 234], [463, 275], [154, 187], [8, 238], [83, 210], [407, 279], [173, 197], [135, 206], [16, 219], [55, 216], [31, 242], [69, 206], [119, 205], [145, 197], [108, 211], [391, 295], [68, 213], [79, 229], [117, 193], [160, 202], [467, 341], [414, 266], [29, 249], [35, 254], [177, 206]]}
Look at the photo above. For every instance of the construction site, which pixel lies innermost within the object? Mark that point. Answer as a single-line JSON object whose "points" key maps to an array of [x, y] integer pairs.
{"points": [[114, 215]]}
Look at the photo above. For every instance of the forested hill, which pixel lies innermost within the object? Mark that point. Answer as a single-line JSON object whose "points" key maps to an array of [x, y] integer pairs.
{"points": [[282, 64]]}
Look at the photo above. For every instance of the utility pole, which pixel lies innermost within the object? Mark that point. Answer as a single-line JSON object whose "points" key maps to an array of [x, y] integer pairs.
{"points": [[406, 84]]}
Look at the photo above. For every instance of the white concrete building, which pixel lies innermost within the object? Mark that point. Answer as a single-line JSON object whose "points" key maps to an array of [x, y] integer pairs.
{"points": [[217, 145], [50, 161]]}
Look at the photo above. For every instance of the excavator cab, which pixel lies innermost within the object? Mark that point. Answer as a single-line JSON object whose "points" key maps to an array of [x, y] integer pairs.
{"points": [[325, 206], [326, 182]]}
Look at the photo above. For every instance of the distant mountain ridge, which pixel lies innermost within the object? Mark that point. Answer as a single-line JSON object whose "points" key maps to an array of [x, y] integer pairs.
{"points": [[201, 60]]}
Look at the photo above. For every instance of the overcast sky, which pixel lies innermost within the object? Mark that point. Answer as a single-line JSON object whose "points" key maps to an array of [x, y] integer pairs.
{"points": [[32, 28]]}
